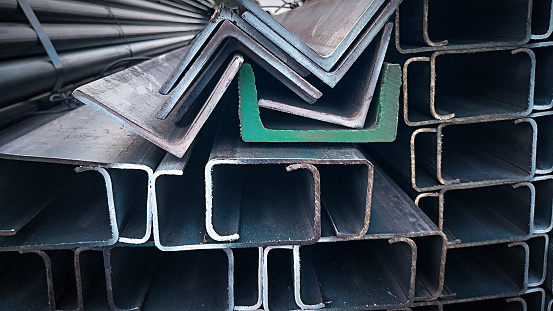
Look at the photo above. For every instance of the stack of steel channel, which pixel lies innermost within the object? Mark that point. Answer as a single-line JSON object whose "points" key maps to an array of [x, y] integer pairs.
{"points": [[208, 181], [474, 151], [49, 47]]}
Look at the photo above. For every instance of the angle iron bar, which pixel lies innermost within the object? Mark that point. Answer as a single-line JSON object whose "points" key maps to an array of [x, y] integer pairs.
{"points": [[328, 107], [119, 101], [327, 47], [250, 48]]}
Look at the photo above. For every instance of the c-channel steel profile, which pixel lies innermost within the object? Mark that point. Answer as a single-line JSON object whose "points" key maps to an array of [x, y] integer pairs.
{"points": [[215, 35], [475, 161], [422, 26], [142, 277], [322, 50], [87, 139], [470, 270], [237, 170], [394, 219], [116, 96], [327, 107], [543, 51], [485, 215], [542, 19], [543, 211], [499, 82], [36, 279], [532, 299], [380, 125]]}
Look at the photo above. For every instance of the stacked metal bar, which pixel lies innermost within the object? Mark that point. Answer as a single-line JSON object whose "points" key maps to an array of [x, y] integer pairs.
{"points": [[207, 180], [48, 48]]}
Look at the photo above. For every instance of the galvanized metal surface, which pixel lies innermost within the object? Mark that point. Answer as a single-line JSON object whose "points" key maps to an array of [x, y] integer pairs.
{"points": [[468, 85], [333, 107], [380, 125], [429, 25], [86, 139], [116, 96]]}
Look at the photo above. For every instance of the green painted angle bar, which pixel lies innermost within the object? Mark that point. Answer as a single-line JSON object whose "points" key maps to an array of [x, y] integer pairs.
{"points": [[381, 124]]}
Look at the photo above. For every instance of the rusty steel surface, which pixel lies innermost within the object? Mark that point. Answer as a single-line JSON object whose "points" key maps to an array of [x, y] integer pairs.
{"points": [[454, 156], [432, 25], [469, 86], [484, 215]]}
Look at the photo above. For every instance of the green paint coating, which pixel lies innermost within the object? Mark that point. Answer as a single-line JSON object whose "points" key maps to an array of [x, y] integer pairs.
{"points": [[384, 110]]}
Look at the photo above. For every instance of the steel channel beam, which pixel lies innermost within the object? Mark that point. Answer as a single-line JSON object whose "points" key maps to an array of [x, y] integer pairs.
{"points": [[27, 279], [538, 245], [544, 147], [144, 278], [543, 98], [326, 269], [430, 25], [116, 97], [475, 85], [486, 215], [294, 181], [336, 35], [466, 155], [298, 277], [542, 19], [469, 271], [18, 78], [48, 151], [354, 113], [250, 48], [393, 215], [380, 123], [250, 170], [543, 211]]}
